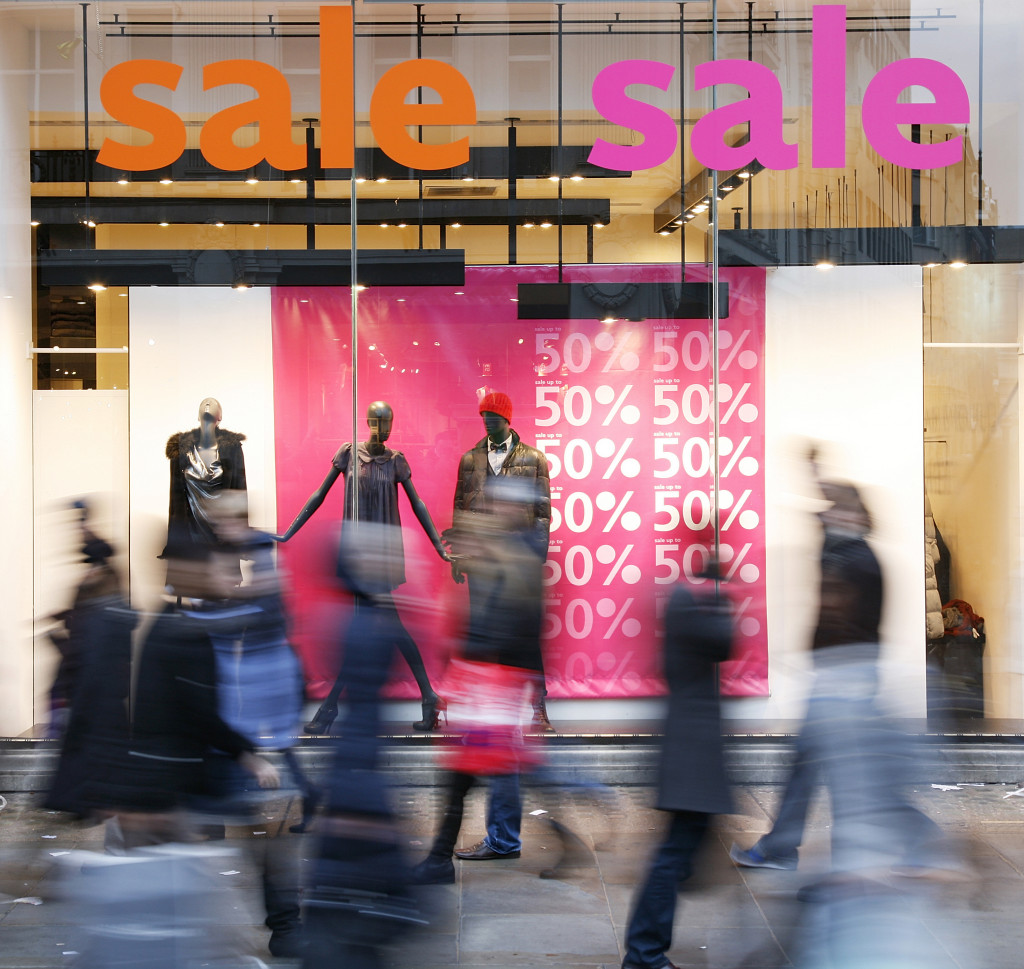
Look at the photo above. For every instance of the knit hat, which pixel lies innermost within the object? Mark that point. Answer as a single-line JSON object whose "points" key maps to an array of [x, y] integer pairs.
{"points": [[497, 403]]}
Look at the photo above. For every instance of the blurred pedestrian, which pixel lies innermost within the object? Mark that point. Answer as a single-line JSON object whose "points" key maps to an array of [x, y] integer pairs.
{"points": [[847, 741], [692, 784], [499, 461], [96, 675]]}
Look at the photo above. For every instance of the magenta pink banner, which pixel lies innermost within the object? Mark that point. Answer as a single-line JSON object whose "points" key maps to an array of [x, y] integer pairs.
{"points": [[623, 411]]}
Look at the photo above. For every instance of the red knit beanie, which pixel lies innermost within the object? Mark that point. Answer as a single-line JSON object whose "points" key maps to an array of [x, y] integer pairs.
{"points": [[497, 403]]}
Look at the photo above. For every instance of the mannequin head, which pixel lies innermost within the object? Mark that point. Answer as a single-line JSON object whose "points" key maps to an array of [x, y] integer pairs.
{"points": [[379, 419], [496, 426], [210, 411], [496, 410]]}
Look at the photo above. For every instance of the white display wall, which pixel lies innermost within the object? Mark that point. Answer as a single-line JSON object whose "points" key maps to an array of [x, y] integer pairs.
{"points": [[843, 358], [187, 344]]}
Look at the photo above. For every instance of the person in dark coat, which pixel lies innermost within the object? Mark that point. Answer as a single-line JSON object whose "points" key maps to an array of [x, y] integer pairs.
{"points": [[99, 633], [692, 782]]}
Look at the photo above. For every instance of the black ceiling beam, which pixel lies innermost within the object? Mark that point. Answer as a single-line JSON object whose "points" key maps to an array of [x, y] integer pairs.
{"points": [[250, 267], [68, 210], [486, 162], [622, 301]]}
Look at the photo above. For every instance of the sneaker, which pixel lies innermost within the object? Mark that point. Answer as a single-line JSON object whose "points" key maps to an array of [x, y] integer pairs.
{"points": [[752, 858]]}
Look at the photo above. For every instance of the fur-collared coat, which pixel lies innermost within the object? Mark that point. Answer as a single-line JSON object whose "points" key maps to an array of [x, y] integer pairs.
{"points": [[183, 530]]}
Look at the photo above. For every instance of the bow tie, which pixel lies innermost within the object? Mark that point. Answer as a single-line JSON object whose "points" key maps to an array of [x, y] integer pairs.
{"points": [[500, 448]]}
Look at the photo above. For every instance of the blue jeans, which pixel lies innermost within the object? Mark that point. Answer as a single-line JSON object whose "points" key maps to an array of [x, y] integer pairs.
{"points": [[649, 934], [504, 814], [788, 830]]}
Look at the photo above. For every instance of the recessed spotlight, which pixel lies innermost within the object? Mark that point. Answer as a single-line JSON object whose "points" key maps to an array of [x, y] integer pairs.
{"points": [[957, 264], [467, 178], [123, 181], [360, 181], [166, 181], [576, 178], [527, 225], [295, 181], [165, 224], [743, 175], [252, 181], [824, 265], [359, 287], [385, 225], [678, 222], [241, 287], [930, 265], [382, 181], [598, 225], [455, 225], [664, 232], [256, 225], [553, 178], [97, 287], [219, 225], [545, 224], [402, 225], [33, 222]]}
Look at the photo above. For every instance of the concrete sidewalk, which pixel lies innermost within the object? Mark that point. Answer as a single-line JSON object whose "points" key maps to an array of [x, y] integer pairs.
{"points": [[501, 914]]}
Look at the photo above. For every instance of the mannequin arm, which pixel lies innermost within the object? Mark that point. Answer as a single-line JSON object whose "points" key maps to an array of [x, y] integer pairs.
{"points": [[423, 516], [315, 501]]}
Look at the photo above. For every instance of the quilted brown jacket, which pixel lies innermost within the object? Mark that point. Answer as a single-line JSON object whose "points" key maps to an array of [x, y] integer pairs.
{"points": [[522, 461]]}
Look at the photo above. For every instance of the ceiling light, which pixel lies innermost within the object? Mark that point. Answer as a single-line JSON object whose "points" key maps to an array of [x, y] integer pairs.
{"points": [[455, 225], [123, 181], [527, 225], [553, 178], [576, 178], [743, 174], [545, 224], [609, 319], [360, 181], [930, 265], [598, 225], [381, 181], [33, 222], [402, 225], [252, 181], [295, 181], [360, 287], [467, 178], [255, 225], [957, 264], [664, 232], [678, 222], [97, 287], [166, 181], [385, 225], [241, 287], [165, 224], [726, 188], [824, 265], [219, 225]]}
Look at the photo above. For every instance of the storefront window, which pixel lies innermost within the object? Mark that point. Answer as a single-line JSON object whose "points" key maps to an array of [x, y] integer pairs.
{"points": [[691, 242]]}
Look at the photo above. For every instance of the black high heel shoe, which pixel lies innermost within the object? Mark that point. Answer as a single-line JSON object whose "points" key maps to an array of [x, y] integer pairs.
{"points": [[321, 722], [433, 710]]}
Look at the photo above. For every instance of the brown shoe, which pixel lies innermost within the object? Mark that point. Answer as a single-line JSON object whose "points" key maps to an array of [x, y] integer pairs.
{"points": [[541, 723], [482, 851]]}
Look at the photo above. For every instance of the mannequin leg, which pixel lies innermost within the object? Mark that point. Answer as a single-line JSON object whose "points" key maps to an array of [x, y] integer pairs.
{"points": [[432, 704], [437, 868]]}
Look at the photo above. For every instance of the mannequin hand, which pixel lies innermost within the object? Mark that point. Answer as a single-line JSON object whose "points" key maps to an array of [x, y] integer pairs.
{"points": [[443, 552], [265, 772], [457, 572]]}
